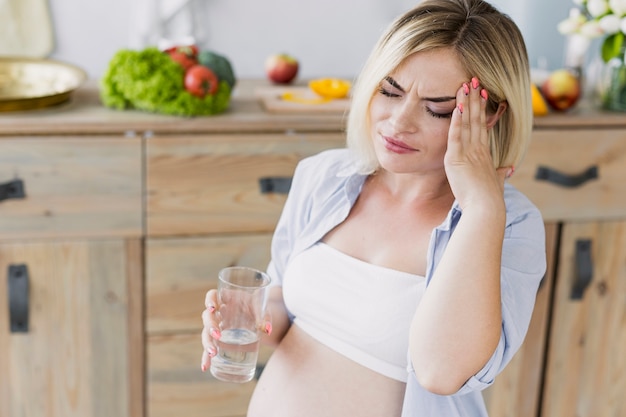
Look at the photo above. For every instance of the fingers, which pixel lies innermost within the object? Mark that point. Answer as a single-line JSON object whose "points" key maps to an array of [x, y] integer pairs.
{"points": [[504, 173], [210, 299], [473, 104], [469, 123], [210, 331], [266, 324]]}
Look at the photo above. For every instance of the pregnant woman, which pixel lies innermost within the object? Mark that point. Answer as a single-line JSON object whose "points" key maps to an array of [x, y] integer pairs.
{"points": [[405, 267]]}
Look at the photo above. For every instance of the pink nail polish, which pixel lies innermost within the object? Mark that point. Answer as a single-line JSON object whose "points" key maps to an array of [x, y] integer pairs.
{"points": [[475, 82], [268, 328], [510, 172], [203, 367], [460, 106], [211, 351], [211, 309], [466, 89], [484, 94], [215, 334]]}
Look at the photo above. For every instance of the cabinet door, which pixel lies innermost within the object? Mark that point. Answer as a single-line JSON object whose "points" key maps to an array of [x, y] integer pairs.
{"points": [[586, 367], [516, 392], [179, 273], [81, 354]]}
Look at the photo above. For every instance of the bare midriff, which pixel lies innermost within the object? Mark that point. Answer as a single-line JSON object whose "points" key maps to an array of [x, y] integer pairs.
{"points": [[304, 378]]}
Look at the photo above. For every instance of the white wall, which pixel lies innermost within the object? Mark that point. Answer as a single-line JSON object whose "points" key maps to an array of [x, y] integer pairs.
{"points": [[329, 37]]}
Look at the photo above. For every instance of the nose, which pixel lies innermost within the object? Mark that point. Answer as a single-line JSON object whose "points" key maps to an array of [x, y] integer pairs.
{"points": [[403, 118]]}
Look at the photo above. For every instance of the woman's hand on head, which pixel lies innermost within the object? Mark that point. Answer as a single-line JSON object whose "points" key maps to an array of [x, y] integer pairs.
{"points": [[468, 162]]}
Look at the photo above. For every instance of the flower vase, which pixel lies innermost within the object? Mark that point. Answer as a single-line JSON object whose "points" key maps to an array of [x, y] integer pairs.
{"points": [[615, 87]]}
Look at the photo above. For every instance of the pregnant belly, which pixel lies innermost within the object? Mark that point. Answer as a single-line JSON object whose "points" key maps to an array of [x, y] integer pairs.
{"points": [[305, 378]]}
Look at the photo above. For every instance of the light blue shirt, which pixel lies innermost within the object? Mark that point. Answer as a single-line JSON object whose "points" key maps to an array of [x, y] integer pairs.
{"points": [[323, 191]]}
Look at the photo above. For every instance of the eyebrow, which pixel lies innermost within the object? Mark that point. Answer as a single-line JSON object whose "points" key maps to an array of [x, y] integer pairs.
{"points": [[442, 99]]}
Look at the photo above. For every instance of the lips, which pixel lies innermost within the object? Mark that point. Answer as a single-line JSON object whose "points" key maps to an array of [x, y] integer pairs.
{"points": [[397, 146]]}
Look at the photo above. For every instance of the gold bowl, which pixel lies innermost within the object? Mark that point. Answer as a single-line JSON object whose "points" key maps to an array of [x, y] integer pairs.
{"points": [[32, 83]]}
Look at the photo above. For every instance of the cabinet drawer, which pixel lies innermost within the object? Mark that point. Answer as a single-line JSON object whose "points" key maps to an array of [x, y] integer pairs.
{"points": [[211, 184], [179, 272], [575, 156], [72, 187], [177, 387]]}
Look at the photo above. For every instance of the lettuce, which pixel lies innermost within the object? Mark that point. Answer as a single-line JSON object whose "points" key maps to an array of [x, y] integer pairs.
{"points": [[151, 81]]}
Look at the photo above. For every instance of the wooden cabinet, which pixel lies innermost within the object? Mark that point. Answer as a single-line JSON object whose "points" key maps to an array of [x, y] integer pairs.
{"points": [[573, 361], [126, 218], [71, 334]]}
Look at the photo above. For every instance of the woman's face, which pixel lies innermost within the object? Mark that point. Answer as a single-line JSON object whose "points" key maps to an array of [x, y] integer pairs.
{"points": [[410, 114]]}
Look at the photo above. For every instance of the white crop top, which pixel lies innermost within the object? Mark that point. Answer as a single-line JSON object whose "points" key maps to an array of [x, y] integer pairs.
{"points": [[360, 310]]}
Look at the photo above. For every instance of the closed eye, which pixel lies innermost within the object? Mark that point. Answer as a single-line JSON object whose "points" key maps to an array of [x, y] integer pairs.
{"points": [[387, 93], [439, 115]]}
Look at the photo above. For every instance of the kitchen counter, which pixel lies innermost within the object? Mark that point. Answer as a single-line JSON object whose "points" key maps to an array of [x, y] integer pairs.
{"points": [[85, 113]]}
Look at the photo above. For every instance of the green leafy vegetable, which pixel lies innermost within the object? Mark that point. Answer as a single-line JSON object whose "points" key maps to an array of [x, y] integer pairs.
{"points": [[220, 65], [150, 80]]}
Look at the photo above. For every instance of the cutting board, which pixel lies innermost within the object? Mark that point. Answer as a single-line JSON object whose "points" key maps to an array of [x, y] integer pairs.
{"points": [[26, 28], [271, 98]]}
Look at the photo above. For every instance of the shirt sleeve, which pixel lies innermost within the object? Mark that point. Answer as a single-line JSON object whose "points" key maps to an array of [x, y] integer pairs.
{"points": [[523, 268], [288, 226]]}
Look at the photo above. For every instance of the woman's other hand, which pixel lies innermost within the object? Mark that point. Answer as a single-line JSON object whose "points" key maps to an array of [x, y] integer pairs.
{"points": [[211, 329], [211, 332]]}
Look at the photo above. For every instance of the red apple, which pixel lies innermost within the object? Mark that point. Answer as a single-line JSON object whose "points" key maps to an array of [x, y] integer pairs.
{"points": [[561, 89], [281, 68]]}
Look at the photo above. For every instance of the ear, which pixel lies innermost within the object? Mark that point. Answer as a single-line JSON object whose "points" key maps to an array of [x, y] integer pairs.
{"points": [[493, 118]]}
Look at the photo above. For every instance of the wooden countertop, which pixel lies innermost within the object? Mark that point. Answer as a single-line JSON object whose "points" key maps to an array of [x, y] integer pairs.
{"points": [[85, 114]]}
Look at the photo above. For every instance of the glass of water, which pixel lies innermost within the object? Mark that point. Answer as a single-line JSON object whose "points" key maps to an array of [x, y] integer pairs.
{"points": [[242, 297]]}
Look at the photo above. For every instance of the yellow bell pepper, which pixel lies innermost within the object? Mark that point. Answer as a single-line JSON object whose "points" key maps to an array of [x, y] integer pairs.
{"points": [[330, 87], [540, 108]]}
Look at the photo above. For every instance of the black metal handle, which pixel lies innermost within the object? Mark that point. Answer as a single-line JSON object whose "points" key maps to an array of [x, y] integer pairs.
{"points": [[12, 189], [584, 269], [279, 185], [570, 181], [18, 298]]}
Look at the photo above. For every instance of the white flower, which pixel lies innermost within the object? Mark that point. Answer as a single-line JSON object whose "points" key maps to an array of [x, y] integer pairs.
{"points": [[569, 25], [618, 7], [573, 22], [610, 24], [622, 24], [591, 29], [597, 8]]}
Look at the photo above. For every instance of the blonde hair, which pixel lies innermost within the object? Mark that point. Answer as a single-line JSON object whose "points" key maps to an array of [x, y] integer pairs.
{"points": [[489, 45]]}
